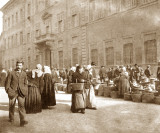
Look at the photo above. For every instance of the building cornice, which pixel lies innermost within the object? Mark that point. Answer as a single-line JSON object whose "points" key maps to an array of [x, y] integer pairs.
{"points": [[9, 4]]}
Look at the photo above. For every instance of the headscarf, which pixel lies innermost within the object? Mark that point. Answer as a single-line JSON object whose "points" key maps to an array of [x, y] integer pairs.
{"points": [[47, 69]]}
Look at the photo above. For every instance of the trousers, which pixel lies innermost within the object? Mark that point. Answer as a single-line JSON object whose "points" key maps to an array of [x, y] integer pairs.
{"points": [[21, 107]]}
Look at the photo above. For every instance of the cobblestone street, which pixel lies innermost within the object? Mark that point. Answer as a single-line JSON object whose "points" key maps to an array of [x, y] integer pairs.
{"points": [[112, 116]]}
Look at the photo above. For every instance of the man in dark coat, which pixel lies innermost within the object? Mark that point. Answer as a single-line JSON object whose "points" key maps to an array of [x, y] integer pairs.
{"points": [[102, 74], [16, 87], [147, 71]]}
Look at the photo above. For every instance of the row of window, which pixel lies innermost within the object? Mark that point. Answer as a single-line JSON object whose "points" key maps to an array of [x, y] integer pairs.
{"points": [[13, 19], [111, 57], [13, 40]]}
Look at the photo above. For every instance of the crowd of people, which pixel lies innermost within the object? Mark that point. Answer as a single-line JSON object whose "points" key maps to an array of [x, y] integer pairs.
{"points": [[35, 89], [127, 78]]}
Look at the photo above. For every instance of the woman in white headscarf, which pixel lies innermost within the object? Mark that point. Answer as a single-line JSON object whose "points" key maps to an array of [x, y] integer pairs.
{"points": [[35, 87], [48, 94], [89, 90]]}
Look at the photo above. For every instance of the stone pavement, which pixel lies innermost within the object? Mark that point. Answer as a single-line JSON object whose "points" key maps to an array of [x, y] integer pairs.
{"points": [[112, 116]]}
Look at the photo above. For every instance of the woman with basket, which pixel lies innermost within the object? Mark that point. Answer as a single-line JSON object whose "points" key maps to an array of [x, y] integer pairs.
{"points": [[78, 96]]}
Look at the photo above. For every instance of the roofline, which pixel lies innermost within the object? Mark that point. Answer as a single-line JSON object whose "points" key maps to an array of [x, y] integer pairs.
{"points": [[6, 5]]}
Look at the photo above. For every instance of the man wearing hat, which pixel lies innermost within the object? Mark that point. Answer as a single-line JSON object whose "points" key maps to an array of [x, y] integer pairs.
{"points": [[137, 73], [102, 74], [16, 86], [147, 71]]}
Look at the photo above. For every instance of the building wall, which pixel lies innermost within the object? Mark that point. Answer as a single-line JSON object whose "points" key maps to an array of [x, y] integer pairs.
{"points": [[109, 32]]}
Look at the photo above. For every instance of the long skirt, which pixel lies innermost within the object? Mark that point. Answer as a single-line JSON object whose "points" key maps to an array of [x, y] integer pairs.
{"points": [[48, 97], [78, 101], [33, 101], [90, 98], [123, 86]]}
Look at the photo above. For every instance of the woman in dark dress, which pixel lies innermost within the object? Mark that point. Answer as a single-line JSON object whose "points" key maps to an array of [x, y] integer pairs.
{"points": [[123, 82], [78, 96], [35, 86], [48, 94]]}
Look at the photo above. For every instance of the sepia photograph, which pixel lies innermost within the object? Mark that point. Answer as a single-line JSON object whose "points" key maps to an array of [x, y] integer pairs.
{"points": [[79, 66]]}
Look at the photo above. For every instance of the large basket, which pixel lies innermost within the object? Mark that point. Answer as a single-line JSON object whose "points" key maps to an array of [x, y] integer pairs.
{"points": [[114, 94], [107, 91], [127, 96], [148, 98], [100, 91], [136, 97], [157, 100], [77, 86]]}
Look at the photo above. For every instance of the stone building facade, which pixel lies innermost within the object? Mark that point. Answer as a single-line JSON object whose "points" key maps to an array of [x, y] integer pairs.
{"points": [[62, 33]]}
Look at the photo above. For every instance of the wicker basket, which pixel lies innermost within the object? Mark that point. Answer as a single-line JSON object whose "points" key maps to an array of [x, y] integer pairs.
{"points": [[100, 91], [107, 91], [77, 86], [127, 96], [114, 94], [136, 97], [148, 98], [157, 100]]}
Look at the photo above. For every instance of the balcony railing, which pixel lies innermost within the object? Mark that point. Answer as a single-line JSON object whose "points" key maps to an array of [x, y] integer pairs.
{"points": [[45, 37]]}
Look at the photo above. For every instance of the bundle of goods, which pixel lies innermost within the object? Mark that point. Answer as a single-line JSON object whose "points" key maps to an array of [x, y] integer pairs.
{"points": [[135, 87], [127, 96], [157, 100], [136, 97], [148, 98], [100, 91], [114, 94], [77, 86]]}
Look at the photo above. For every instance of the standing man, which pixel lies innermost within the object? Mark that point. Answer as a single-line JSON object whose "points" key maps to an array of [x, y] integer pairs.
{"points": [[17, 87], [147, 72]]}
